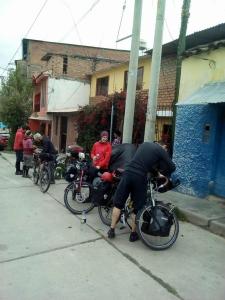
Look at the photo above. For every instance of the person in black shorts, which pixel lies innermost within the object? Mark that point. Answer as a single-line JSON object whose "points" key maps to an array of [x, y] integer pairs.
{"points": [[149, 158]]}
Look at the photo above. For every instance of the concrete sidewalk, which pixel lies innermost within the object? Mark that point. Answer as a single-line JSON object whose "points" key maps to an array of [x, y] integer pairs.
{"points": [[207, 213]]}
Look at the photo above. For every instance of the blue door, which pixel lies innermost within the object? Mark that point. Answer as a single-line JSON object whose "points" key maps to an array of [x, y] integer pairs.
{"points": [[219, 187]]}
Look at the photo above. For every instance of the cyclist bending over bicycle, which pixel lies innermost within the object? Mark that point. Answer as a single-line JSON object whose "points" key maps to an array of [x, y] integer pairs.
{"points": [[48, 150], [149, 158]]}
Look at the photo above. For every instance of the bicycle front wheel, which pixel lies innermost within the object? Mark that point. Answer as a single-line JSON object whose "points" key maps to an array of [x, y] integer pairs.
{"points": [[105, 213], [35, 175], [78, 201], [144, 220], [45, 179]]}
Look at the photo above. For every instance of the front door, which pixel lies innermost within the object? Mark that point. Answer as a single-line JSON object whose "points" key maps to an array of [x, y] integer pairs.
{"points": [[219, 187], [63, 134]]}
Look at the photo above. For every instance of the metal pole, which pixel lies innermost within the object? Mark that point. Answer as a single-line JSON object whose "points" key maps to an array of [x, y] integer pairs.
{"points": [[180, 49], [111, 123], [155, 72], [132, 74]]}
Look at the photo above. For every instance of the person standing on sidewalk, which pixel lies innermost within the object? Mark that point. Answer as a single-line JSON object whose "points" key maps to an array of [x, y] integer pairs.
{"points": [[18, 148], [47, 148], [27, 153], [100, 155], [149, 158]]}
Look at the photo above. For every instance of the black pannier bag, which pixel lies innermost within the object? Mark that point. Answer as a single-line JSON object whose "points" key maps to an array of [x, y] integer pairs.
{"points": [[100, 191], [157, 222]]}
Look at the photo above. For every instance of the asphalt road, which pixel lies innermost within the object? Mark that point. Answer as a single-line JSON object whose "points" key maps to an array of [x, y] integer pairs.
{"points": [[46, 253]]}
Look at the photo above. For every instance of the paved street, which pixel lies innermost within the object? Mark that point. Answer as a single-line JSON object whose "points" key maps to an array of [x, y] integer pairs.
{"points": [[46, 253]]}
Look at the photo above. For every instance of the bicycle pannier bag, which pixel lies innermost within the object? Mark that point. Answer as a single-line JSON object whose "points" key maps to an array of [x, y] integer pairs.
{"points": [[157, 222], [99, 194]]}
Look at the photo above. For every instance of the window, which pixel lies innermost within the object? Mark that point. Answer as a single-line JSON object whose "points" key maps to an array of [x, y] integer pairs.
{"points": [[140, 72], [65, 64], [37, 102], [102, 86]]}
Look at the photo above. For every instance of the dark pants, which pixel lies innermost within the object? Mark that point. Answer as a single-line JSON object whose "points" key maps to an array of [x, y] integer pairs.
{"points": [[19, 159]]}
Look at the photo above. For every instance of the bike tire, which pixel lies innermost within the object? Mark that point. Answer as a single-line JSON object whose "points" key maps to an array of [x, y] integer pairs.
{"points": [[35, 175], [105, 213], [45, 179], [77, 203], [158, 242]]}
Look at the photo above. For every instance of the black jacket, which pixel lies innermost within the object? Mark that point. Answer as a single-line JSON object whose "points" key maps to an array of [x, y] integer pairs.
{"points": [[151, 157]]}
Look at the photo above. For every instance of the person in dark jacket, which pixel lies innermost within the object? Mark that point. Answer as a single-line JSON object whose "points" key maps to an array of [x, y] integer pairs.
{"points": [[47, 149], [149, 158]]}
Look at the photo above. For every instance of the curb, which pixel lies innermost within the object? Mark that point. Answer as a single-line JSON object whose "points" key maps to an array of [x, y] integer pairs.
{"points": [[214, 226]]}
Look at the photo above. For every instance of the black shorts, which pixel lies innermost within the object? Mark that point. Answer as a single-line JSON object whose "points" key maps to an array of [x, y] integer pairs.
{"points": [[132, 184]]}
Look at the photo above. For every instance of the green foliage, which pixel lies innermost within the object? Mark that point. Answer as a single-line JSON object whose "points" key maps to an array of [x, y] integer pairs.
{"points": [[92, 119], [15, 100]]}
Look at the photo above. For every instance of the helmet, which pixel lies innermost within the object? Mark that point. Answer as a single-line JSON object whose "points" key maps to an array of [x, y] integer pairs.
{"points": [[71, 173], [107, 176]]}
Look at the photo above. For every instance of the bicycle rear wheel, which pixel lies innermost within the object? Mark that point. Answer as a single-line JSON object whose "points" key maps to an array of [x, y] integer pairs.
{"points": [[35, 175], [45, 179], [77, 202], [152, 241]]}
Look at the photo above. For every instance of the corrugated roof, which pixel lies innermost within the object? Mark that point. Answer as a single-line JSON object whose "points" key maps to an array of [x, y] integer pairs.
{"points": [[202, 37], [210, 93]]}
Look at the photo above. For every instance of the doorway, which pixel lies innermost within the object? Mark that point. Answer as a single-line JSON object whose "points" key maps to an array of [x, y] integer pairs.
{"points": [[63, 134], [219, 187]]}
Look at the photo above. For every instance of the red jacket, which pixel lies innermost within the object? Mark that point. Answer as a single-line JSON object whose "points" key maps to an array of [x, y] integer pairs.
{"points": [[18, 142], [103, 152]]}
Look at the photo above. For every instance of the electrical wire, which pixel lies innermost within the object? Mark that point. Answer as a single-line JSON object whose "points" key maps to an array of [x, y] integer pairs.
{"points": [[28, 31], [79, 21]]}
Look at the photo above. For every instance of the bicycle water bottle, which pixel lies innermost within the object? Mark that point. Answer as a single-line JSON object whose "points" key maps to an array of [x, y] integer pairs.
{"points": [[83, 217]]}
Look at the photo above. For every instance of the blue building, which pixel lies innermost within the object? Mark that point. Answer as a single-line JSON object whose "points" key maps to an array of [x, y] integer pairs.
{"points": [[199, 144]]}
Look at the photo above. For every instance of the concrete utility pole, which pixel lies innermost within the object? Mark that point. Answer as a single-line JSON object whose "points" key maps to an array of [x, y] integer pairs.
{"points": [[155, 72], [180, 50], [132, 74]]}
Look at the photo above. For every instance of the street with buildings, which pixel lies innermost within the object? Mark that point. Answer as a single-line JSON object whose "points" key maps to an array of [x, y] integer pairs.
{"points": [[46, 253]]}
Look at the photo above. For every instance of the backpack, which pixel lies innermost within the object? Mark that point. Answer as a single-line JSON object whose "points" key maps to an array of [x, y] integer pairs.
{"points": [[100, 191], [157, 222]]}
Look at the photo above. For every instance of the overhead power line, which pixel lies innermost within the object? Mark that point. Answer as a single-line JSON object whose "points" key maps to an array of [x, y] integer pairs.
{"points": [[28, 31]]}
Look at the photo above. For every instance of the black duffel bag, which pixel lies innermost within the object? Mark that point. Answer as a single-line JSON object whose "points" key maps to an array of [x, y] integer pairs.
{"points": [[100, 191], [157, 222]]}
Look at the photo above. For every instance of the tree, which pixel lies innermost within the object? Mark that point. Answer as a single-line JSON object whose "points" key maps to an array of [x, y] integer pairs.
{"points": [[15, 100]]}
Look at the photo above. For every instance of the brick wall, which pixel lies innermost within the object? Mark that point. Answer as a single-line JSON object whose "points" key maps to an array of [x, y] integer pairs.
{"points": [[77, 67], [166, 84]]}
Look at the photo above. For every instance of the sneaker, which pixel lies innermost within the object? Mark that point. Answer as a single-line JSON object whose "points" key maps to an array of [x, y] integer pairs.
{"points": [[111, 233], [133, 237]]}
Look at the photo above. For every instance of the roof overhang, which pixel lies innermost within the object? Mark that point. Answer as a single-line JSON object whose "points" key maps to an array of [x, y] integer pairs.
{"points": [[63, 110], [213, 93], [41, 118]]}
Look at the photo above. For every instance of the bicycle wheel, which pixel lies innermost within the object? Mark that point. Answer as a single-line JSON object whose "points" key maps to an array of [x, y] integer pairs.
{"points": [[45, 179], [35, 175], [105, 213], [152, 241], [77, 202]]}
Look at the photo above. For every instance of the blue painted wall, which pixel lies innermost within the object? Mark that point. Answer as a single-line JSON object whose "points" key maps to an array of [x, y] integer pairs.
{"points": [[194, 148]]}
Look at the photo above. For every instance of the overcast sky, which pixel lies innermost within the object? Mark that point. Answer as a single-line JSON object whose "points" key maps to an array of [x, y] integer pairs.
{"points": [[94, 22]]}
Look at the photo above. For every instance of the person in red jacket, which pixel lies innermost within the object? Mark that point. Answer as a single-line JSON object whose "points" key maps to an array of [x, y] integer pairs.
{"points": [[100, 155], [18, 148]]}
